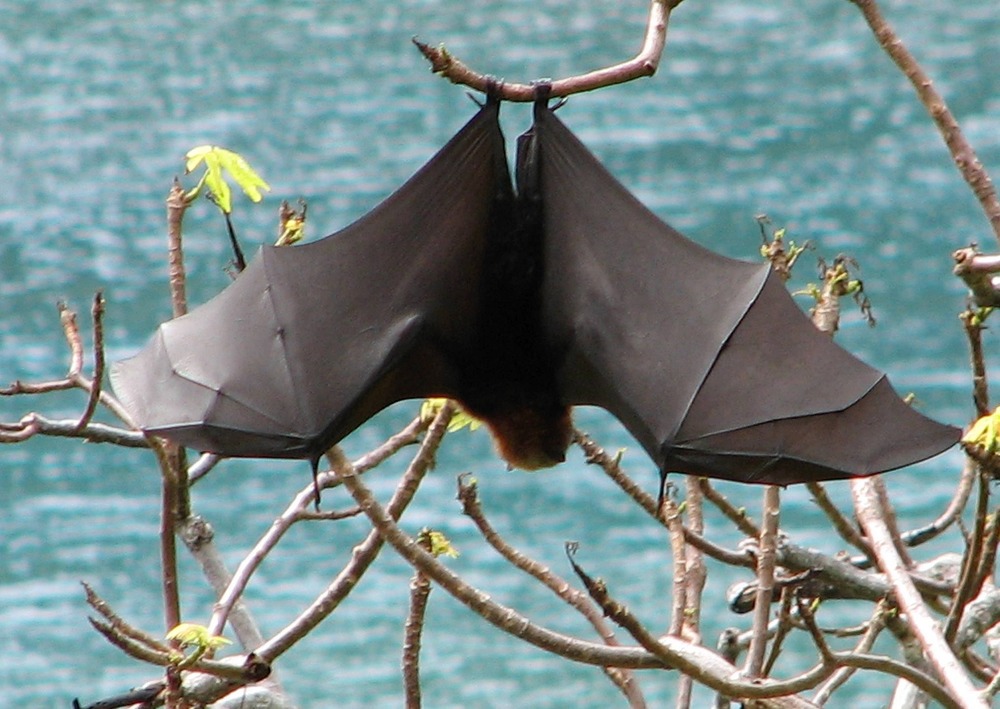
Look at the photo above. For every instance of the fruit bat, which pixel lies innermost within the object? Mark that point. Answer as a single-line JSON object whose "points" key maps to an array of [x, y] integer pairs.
{"points": [[519, 304]]}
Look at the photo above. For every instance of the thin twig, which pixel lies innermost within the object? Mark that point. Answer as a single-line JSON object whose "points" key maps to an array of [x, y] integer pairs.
{"points": [[17, 387], [972, 323], [767, 549], [840, 522], [408, 436], [961, 151], [780, 693], [97, 314], [970, 563], [951, 513], [596, 455], [468, 495], [71, 330], [130, 645], [696, 575], [987, 563], [203, 466], [298, 510], [364, 553], [643, 64], [420, 589], [874, 627], [253, 670], [782, 627], [737, 516], [38, 425], [671, 516], [890, 520], [875, 662], [119, 623], [177, 204]]}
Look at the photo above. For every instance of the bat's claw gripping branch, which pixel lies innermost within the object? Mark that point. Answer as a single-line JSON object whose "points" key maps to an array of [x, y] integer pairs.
{"points": [[645, 63]]}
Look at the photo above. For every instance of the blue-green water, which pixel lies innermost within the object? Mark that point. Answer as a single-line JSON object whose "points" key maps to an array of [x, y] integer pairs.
{"points": [[783, 107]]}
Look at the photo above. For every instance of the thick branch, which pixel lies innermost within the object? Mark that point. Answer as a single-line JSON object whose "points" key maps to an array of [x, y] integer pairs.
{"points": [[954, 677]]}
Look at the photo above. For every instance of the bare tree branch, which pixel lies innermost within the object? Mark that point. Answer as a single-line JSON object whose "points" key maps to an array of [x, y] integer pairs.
{"points": [[738, 517], [970, 563], [365, 552], [955, 679], [420, 589], [843, 526], [874, 626], [766, 552], [961, 151], [177, 204], [624, 679], [645, 63], [97, 313], [36, 424], [777, 694]]}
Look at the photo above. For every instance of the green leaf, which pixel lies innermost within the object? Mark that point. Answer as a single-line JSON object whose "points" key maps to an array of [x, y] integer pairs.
{"points": [[249, 181], [192, 634], [219, 161], [984, 432], [459, 420], [439, 544], [980, 315]]}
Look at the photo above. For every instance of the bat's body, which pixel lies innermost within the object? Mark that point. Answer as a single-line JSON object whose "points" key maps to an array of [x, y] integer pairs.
{"points": [[521, 304]]}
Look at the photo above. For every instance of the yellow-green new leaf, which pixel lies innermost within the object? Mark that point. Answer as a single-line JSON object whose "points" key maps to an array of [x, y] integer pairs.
{"points": [[192, 634], [439, 544], [249, 181], [459, 420], [984, 431], [218, 161]]}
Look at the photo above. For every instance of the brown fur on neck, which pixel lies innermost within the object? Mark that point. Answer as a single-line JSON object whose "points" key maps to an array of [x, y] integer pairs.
{"points": [[529, 439]]}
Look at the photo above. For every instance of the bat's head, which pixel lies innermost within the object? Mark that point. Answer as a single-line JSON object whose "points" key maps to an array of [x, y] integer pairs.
{"points": [[529, 438]]}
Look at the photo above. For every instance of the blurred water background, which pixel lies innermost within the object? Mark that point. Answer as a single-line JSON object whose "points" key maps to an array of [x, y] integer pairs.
{"points": [[782, 107]]}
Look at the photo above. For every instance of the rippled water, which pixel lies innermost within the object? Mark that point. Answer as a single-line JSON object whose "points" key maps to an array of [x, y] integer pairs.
{"points": [[782, 107]]}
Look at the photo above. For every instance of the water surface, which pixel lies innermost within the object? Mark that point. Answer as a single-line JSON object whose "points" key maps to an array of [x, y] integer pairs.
{"points": [[783, 108]]}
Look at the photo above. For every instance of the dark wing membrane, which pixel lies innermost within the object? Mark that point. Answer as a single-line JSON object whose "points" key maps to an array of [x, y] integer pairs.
{"points": [[771, 408], [706, 360], [310, 341]]}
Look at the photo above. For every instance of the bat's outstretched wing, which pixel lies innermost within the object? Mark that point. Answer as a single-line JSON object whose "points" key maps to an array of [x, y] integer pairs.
{"points": [[310, 341], [706, 360]]}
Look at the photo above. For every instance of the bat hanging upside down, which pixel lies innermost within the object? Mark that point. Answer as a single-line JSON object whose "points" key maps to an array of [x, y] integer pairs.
{"points": [[520, 304]]}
